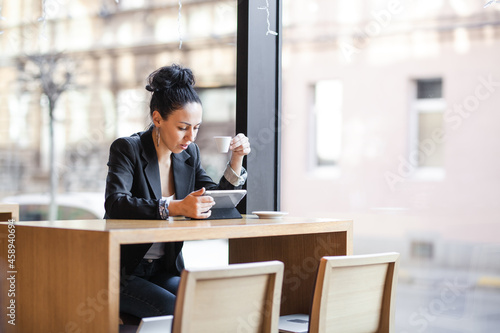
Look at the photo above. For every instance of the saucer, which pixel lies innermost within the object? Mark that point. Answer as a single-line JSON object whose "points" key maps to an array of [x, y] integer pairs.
{"points": [[269, 214]]}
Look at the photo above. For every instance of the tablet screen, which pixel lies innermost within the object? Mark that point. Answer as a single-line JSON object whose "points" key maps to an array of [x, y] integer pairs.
{"points": [[226, 198]]}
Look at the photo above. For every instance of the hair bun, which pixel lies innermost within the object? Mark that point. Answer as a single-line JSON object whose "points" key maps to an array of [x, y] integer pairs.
{"points": [[172, 88], [181, 77], [170, 77]]}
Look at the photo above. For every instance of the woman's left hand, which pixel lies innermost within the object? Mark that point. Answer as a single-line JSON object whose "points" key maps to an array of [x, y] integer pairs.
{"points": [[240, 145]]}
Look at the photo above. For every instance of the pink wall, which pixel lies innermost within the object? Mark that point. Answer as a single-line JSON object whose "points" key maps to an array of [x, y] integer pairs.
{"points": [[464, 205]]}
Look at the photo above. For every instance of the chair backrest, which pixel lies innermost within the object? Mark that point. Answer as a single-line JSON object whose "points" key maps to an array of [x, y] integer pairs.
{"points": [[239, 298], [9, 212], [355, 294]]}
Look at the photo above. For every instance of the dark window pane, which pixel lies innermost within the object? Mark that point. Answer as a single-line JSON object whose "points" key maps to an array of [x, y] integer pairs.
{"points": [[429, 88]]}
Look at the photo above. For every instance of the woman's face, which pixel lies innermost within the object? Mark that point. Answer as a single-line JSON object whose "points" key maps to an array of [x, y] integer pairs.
{"points": [[180, 128]]}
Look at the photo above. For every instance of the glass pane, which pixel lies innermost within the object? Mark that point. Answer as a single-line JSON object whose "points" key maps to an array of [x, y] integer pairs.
{"points": [[328, 121], [430, 150], [431, 88], [112, 46], [393, 58], [219, 110]]}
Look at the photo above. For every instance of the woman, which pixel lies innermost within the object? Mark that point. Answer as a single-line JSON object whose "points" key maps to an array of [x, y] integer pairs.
{"points": [[156, 174]]}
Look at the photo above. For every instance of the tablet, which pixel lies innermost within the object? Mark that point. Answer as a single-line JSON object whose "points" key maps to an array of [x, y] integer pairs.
{"points": [[160, 324], [226, 198]]}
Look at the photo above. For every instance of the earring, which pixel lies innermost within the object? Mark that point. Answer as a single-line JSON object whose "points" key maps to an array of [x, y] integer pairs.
{"points": [[157, 137]]}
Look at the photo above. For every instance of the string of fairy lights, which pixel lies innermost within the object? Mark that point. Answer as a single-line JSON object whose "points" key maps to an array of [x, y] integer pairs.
{"points": [[179, 25], [43, 18], [2, 19], [269, 31], [491, 2]]}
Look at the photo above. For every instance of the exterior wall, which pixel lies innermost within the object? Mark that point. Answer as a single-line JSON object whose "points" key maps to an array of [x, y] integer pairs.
{"points": [[463, 49]]}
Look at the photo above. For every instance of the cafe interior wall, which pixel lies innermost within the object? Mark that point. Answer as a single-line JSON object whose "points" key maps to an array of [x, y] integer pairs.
{"points": [[446, 219]]}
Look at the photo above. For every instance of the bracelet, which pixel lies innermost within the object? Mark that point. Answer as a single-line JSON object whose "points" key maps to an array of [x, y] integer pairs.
{"points": [[163, 208]]}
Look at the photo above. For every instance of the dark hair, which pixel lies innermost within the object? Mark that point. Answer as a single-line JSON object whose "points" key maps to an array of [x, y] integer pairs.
{"points": [[172, 88]]}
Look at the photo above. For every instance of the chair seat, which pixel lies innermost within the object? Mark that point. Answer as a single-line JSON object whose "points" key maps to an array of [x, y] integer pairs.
{"points": [[295, 323], [129, 319]]}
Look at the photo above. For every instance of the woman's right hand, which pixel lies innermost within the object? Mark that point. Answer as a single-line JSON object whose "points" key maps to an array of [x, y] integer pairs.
{"points": [[195, 205]]}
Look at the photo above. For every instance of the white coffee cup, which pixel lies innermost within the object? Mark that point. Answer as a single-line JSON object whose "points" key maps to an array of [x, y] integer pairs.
{"points": [[223, 143]]}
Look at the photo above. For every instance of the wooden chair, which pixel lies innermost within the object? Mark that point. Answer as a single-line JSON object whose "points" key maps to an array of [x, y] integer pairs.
{"points": [[236, 298], [355, 294], [8, 212]]}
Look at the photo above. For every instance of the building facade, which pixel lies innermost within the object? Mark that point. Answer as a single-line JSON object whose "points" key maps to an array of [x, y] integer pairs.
{"points": [[110, 47], [406, 97]]}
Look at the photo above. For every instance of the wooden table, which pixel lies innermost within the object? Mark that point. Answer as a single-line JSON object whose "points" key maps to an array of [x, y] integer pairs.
{"points": [[66, 273]]}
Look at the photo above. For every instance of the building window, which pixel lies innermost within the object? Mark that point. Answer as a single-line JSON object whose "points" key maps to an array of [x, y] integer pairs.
{"points": [[327, 123], [422, 250], [429, 106]]}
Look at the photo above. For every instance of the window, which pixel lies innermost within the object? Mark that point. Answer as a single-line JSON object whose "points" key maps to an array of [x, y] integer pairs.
{"points": [[420, 99], [18, 116], [429, 106], [327, 123], [422, 250]]}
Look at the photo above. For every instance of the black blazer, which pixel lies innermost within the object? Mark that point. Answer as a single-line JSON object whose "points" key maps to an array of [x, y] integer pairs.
{"points": [[133, 190]]}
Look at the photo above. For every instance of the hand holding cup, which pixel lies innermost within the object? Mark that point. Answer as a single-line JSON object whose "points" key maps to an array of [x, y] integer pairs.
{"points": [[240, 145]]}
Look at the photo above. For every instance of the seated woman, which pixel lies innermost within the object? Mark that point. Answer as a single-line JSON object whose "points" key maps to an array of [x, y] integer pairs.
{"points": [[156, 174]]}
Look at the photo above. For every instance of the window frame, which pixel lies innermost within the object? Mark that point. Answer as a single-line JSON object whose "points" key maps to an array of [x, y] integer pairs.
{"points": [[420, 106], [329, 170], [258, 101]]}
